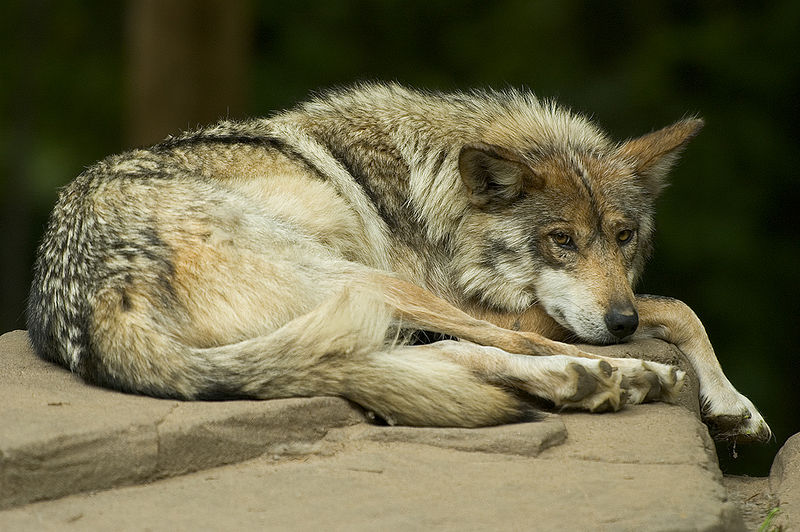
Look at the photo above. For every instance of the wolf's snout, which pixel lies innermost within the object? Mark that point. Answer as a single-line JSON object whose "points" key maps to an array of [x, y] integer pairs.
{"points": [[622, 320]]}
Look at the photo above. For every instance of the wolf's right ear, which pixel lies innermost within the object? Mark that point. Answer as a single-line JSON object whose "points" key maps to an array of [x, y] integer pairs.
{"points": [[493, 174], [655, 153]]}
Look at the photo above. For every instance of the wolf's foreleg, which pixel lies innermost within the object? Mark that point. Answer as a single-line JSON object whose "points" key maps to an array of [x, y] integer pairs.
{"points": [[640, 380], [729, 414]]}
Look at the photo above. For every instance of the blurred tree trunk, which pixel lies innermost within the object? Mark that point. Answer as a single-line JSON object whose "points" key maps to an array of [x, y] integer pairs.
{"points": [[187, 64]]}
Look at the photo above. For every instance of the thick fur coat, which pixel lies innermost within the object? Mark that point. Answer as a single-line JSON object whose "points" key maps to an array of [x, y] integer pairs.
{"points": [[290, 256]]}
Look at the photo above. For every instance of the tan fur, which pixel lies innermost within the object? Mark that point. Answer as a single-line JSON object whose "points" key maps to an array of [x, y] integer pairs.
{"points": [[291, 256]]}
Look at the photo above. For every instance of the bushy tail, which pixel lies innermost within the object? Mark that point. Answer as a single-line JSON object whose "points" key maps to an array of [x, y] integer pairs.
{"points": [[343, 347]]}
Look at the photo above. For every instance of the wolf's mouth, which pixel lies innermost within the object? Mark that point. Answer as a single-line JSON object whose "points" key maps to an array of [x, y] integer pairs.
{"points": [[560, 316], [584, 331]]}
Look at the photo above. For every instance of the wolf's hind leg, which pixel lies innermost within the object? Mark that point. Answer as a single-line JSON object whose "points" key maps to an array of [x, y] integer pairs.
{"points": [[588, 383], [570, 382], [593, 384]]}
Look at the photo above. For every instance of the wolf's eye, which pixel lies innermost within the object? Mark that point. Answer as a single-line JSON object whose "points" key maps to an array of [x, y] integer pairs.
{"points": [[624, 236], [563, 240]]}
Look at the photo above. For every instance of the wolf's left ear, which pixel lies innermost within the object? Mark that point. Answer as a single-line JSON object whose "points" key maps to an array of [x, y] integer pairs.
{"points": [[654, 154], [493, 174]]}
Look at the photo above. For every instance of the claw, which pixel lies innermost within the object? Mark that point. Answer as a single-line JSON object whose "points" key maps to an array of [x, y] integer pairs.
{"points": [[739, 421], [739, 429]]}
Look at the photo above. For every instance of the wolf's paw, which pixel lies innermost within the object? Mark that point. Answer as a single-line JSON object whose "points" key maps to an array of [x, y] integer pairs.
{"points": [[588, 384], [643, 381], [732, 416]]}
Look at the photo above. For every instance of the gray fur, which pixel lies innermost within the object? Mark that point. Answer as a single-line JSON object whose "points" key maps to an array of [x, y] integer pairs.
{"points": [[278, 257]]}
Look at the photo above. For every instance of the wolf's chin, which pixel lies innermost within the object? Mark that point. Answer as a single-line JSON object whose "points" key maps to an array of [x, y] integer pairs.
{"points": [[582, 332], [594, 338]]}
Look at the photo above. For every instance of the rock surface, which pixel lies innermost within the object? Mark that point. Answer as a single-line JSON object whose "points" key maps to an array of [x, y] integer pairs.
{"points": [[98, 459], [784, 481]]}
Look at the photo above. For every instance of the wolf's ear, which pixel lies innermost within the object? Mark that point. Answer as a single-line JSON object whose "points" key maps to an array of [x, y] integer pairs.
{"points": [[493, 174], [654, 154]]}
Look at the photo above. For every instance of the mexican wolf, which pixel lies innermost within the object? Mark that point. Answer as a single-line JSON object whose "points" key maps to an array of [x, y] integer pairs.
{"points": [[292, 255]]}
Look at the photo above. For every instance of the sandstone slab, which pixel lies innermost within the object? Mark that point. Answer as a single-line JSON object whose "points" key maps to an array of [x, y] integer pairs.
{"points": [[111, 460], [784, 480], [399, 486], [59, 436]]}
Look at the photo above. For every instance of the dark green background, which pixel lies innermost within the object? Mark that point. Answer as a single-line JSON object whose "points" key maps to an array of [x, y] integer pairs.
{"points": [[728, 226]]}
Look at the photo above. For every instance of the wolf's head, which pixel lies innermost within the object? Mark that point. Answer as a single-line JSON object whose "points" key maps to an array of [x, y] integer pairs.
{"points": [[567, 225]]}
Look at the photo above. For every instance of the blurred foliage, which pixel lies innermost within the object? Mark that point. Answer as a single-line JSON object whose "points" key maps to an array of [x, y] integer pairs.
{"points": [[728, 225]]}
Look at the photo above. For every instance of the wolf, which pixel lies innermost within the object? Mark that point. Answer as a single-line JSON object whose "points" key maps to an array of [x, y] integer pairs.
{"points": [[295, 255]]}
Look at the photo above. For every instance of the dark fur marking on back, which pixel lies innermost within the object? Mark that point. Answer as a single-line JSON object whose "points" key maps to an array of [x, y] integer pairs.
{"points": [[395, 217], [266, 141], [193, 140]]}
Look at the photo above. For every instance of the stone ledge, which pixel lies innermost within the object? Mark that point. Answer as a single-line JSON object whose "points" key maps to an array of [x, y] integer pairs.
{"points": [[523, 439], [371, 485], [62, 437], [784, 483]]}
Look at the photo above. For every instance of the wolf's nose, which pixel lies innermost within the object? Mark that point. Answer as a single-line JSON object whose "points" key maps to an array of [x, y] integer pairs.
{"points": [[622, 320]]}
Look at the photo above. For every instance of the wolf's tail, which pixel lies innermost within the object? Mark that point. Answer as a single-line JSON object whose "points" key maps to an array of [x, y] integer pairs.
{"points": [[343, 347]]}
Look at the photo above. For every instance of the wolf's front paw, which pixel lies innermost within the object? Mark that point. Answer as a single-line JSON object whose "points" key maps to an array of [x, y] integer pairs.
{"points": [[732, 416], [644, 381]]}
